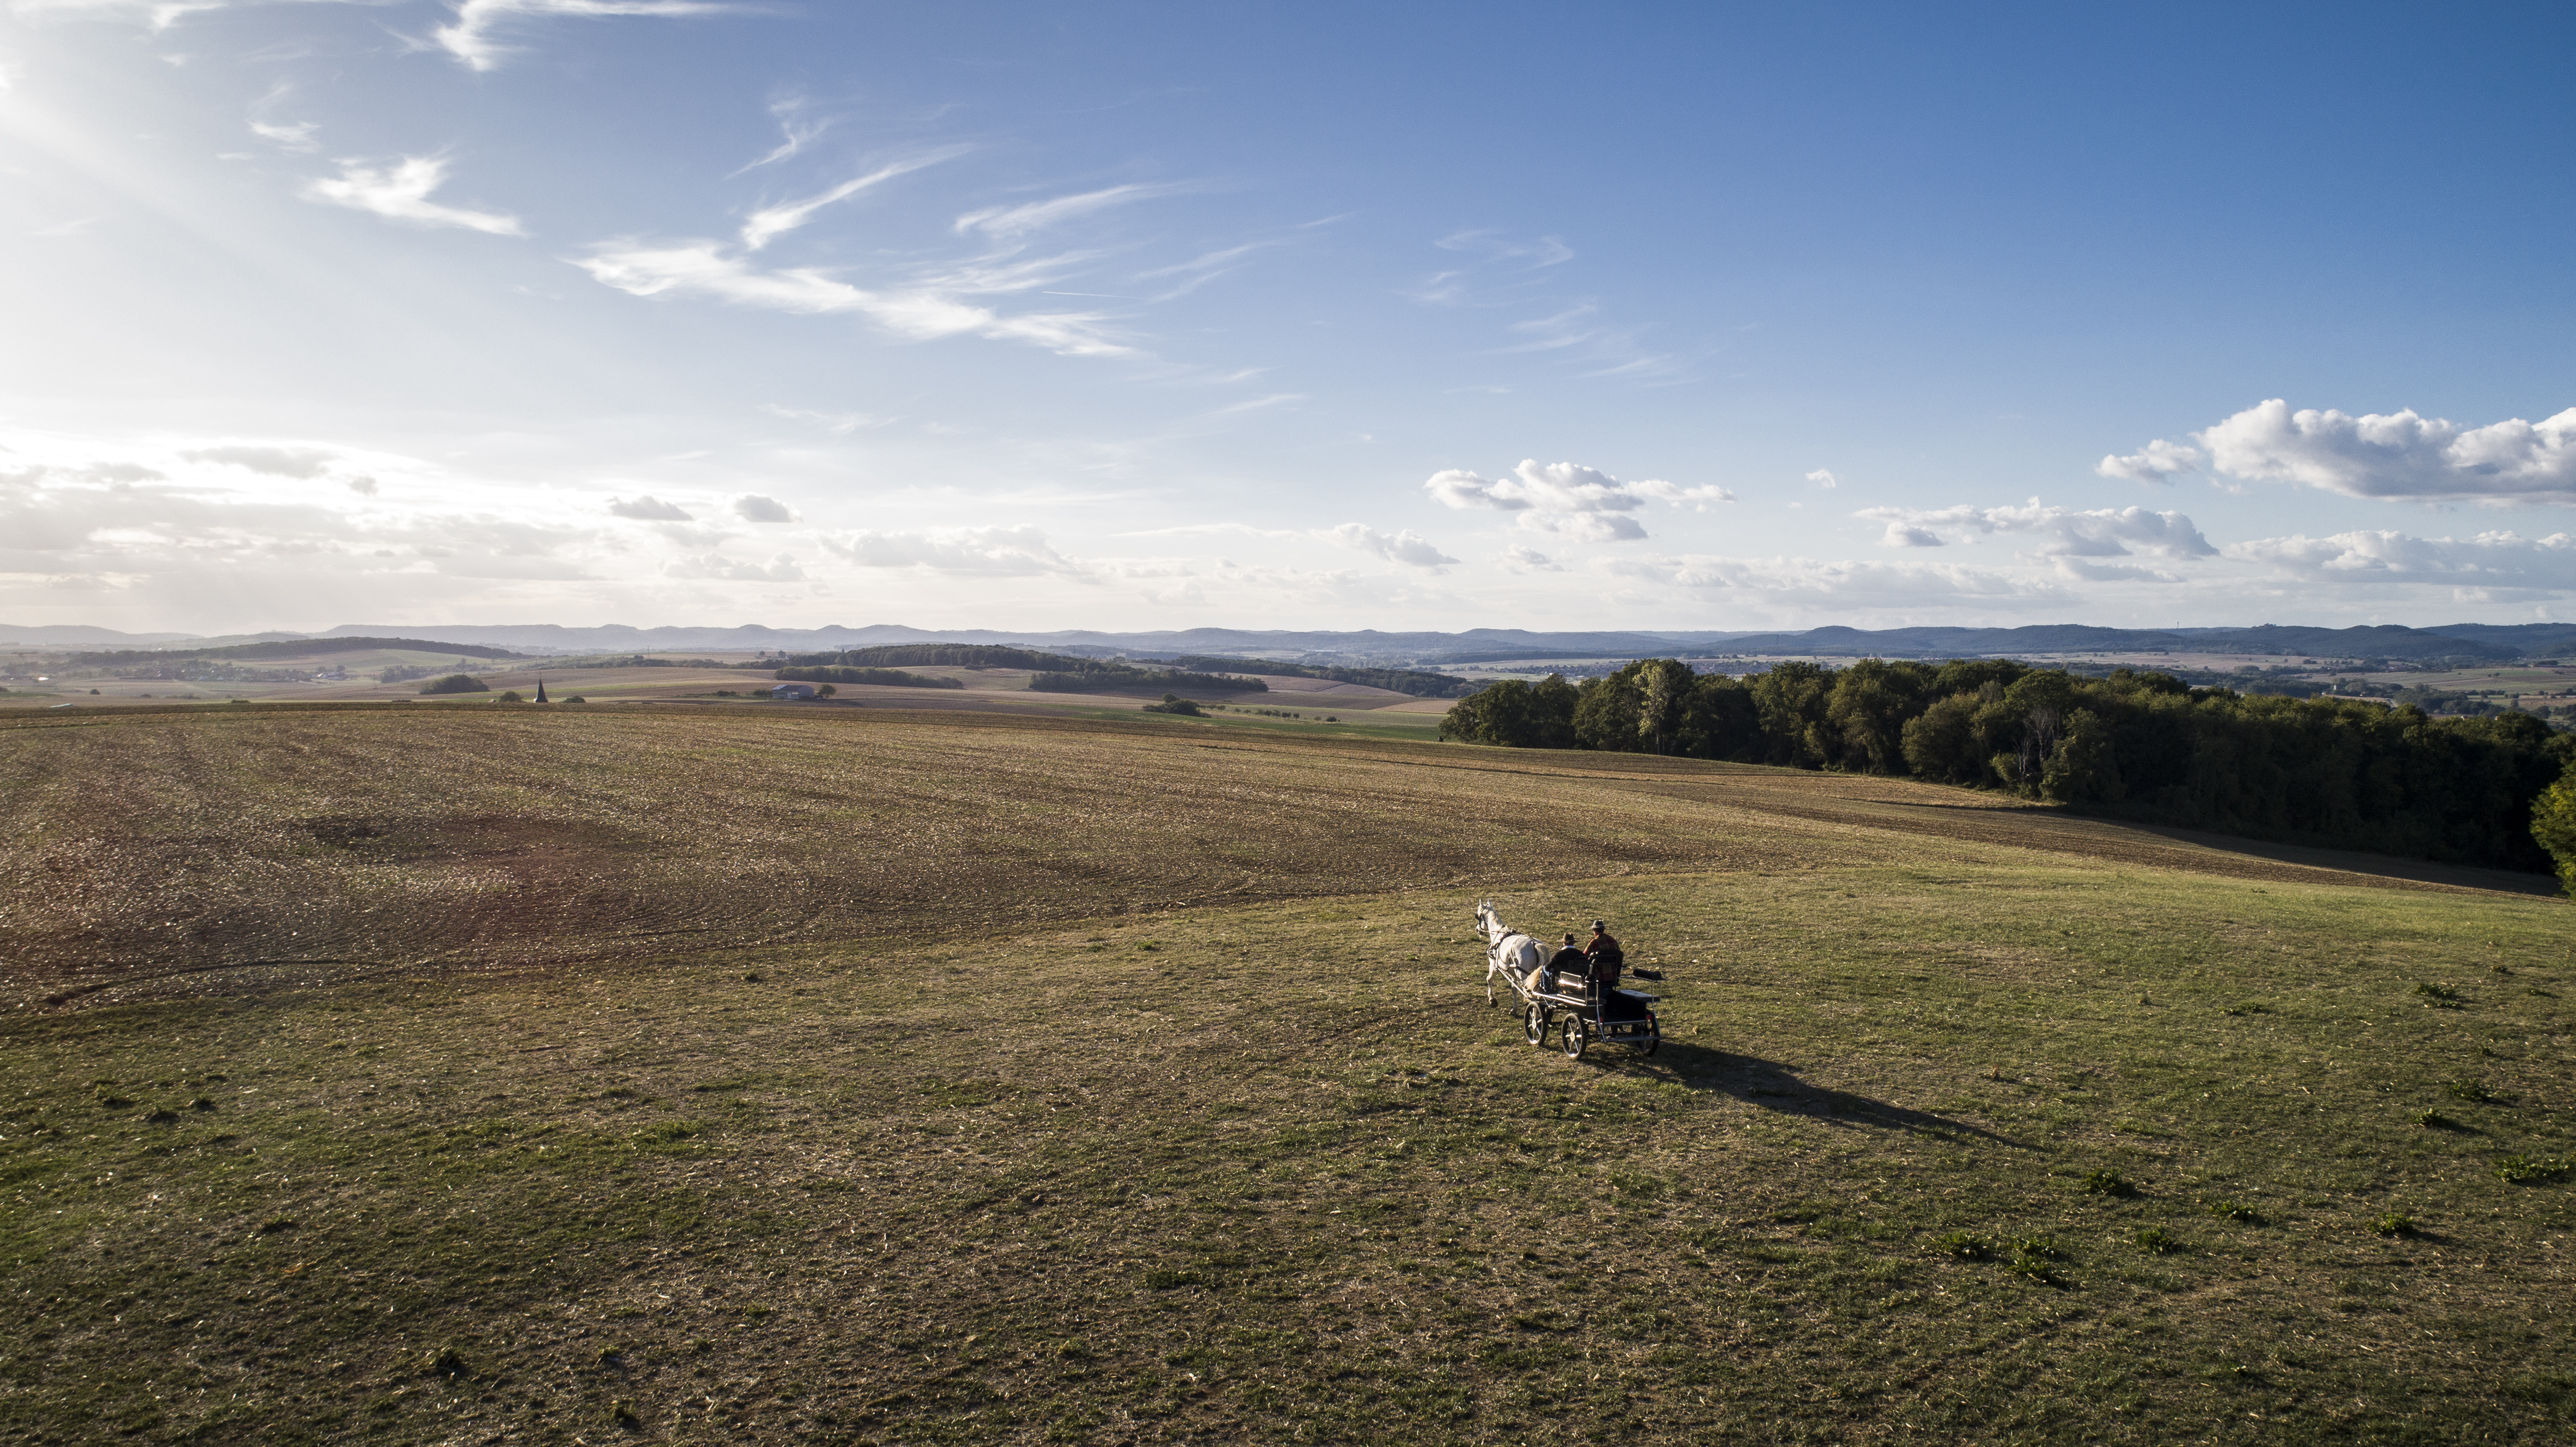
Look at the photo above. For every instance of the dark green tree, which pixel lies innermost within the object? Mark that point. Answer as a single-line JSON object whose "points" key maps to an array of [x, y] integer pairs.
{"points": [[1789, 698], [2553, 823]]}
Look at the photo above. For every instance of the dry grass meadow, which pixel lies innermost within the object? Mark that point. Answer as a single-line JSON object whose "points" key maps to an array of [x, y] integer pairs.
{"points": [[677, 1074]]}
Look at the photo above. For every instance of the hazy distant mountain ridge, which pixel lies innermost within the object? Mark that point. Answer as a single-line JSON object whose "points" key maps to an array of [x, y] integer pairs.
{"points": [[2461, 641]]}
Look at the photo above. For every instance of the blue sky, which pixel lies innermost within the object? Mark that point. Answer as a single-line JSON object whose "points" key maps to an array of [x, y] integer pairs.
{"points": [[1135, 316]]}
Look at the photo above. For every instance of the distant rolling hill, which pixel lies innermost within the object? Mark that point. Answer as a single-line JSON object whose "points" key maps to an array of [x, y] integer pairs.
{"points": [[2477, 642]]}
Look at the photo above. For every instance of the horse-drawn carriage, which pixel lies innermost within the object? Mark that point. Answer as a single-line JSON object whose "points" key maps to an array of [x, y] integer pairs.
{"points": [[1580, 1008]]}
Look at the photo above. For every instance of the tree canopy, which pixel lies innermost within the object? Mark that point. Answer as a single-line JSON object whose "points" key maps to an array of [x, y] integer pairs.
{"points": [[2140, 745]]}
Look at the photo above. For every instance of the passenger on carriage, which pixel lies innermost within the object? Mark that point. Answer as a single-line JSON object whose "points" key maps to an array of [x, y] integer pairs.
{"points": [[1567, 963]]}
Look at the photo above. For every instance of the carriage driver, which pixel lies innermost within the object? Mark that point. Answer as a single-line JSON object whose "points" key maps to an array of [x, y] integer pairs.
{"points": [[1604, 954], [1568, 961]]}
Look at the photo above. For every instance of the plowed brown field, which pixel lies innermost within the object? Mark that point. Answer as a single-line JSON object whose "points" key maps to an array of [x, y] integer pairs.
{"points": [[161, 852]]}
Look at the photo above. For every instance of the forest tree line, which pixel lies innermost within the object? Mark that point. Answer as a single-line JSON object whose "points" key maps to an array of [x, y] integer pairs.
{"points": [[2136, 745]]}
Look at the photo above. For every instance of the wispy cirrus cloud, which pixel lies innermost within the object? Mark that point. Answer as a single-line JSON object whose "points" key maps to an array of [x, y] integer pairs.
{"points": [[297, 137], [1199, 270], [771, 222], [471, 37], [1009, 223], [921, 312], [796, 130], [158, 15], [1489, 258], [2397, 456], [401, 192]]}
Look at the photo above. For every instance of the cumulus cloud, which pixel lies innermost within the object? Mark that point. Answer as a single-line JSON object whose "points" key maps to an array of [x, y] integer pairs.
{"points": [[1008, 222], [1407, 547], [469, 37], [752, 507], [2398, 455], [648, 509], [2158, 461], [986, 552], [1521, 558], [925, 312], [1566, 498], [2490, 566], [1824, 478], [295, 462], [2061, 533], [401, 192]]}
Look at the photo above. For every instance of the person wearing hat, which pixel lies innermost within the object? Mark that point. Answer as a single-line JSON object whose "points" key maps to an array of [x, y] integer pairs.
{"points": [[1604, 954]]}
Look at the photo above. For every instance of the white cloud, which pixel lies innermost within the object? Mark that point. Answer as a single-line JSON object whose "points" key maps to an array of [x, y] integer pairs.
{"points": [[795, 132], [470, 36], [1589, 527], [401, 191], [1008, 222], [1521, 558], [159, 15], [771, 222], [2062, 532], [1823, 584], [297, 137], [753, 507], [1824, 478], [2398, 455], [647, 508], [2157, 462], [1676, 494], [296, 462], [1199, 270], [780, 569], [2489, 566], [923, 312], [1566, 498], [986, 552], [1407, 547]]}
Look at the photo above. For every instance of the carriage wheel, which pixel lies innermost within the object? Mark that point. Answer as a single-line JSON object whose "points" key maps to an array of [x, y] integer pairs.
{"points": [[1574, 1038], [1653, 1042], [1534, 1024]]}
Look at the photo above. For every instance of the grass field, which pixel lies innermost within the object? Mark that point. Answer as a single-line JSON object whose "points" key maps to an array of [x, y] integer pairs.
{"points": [[861, 1078]]}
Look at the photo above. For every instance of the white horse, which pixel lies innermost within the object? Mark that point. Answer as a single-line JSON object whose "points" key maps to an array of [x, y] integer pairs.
{"points": [[1510, 954]]}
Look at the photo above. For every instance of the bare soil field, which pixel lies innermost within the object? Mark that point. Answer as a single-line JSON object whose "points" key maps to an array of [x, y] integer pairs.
{"points": [[152, 852]]}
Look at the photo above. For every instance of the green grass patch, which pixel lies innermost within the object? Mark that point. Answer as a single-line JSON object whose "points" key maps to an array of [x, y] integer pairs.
{"points": [[1912, 1164]]}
